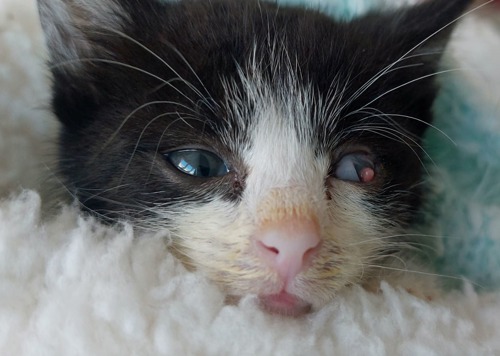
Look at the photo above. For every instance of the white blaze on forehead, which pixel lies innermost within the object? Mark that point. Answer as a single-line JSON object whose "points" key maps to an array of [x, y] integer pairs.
{"points": [[276, 155], [282, 149]]}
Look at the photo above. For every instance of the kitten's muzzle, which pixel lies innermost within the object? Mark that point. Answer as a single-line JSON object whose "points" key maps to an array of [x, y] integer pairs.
{"points": [[287, 242], [288, 246], [288, 236]]}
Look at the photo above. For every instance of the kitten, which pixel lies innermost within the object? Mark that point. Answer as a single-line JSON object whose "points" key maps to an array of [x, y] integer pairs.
{"points": [[280, 149]]}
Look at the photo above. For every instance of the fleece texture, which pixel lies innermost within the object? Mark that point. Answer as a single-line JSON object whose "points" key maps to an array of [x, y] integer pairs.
{"points": [[70, 286], [466, 166]]}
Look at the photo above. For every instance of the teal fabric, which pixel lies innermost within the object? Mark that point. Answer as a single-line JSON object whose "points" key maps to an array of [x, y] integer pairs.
{"points": [[340, 9], [465, 204]]}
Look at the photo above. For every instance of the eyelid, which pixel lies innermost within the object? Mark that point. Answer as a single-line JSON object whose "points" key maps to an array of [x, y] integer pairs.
{"points": [[198, 147], [350, 166], [198, 163]]}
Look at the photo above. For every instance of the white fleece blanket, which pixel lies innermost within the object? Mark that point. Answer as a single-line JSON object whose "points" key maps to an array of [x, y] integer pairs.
{"points": [[69, 286]]}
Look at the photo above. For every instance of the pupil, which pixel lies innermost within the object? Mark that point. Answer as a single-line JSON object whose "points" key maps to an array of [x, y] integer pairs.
{"points": [[198, 163], [204, 166]]}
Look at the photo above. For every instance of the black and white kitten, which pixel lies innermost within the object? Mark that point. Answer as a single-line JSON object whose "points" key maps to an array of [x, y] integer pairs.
{"points": [[280, 149]]}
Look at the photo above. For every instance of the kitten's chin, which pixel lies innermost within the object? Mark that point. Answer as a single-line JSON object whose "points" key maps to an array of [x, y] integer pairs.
{"points": [[285, 304]]}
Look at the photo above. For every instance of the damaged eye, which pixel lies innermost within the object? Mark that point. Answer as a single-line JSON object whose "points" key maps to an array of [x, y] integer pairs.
{"points": [[355, 167], [198, 163]]}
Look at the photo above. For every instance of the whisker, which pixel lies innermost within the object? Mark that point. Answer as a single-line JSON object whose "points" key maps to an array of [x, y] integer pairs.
{"points": [[110, 61], [190, 85], [385, 70], [181, 56], [405, 270], [371, 127], [99, 192], [409, 137], [136, 207], [334, 100], [411, 82], [398, 236], [142, 134], [180, 118], [169, 83], [132, 113], [405, 67], [392, 134], [129, 66], [374, 113], [59, 181], [385, 115], [417, 55]]}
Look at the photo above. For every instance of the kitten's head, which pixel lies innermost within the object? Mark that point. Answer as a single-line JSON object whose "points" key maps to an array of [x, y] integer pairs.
{"points": [[280, 149]]}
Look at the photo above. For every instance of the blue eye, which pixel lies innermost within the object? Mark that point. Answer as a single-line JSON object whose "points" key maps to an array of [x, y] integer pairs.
{"points": [[198, 163], [355, 167]]}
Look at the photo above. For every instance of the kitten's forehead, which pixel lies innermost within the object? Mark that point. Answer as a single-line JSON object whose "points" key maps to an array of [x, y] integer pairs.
{"points": [[280, 119]]}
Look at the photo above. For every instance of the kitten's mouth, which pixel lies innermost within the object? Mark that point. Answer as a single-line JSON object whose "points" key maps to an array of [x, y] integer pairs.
{"points": [[285, 304]]}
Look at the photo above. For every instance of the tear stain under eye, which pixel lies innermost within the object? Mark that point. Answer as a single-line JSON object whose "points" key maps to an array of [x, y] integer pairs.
{"points": [[238, 185], [328, 194]]}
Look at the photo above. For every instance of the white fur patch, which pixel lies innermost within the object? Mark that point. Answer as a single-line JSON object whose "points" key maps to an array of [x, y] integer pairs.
{"points": [[285, 170]]}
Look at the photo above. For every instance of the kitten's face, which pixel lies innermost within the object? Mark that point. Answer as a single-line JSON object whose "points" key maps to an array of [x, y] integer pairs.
{"points": [[280, 149]]}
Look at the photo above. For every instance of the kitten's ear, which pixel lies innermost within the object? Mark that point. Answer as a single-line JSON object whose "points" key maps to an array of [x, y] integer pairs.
{"points": [[431, 23], [406, 45], [82, 36], [426, 26], [74, 35], [70, 26]]}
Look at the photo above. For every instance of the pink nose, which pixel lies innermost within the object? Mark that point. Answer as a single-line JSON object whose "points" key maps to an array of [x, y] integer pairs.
{"points": [[289, 247]]}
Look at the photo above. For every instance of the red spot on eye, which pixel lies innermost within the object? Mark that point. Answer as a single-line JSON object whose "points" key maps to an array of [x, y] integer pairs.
{"points": [[366, 175]]}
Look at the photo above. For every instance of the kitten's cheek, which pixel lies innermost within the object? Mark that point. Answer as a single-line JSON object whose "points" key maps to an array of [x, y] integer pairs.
{"points": [[288, 246]]}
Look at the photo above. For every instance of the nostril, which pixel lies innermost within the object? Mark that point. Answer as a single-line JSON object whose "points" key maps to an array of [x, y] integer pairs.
{"points": [[271, 249], [288, 248], [310, 254], [268, 249]]}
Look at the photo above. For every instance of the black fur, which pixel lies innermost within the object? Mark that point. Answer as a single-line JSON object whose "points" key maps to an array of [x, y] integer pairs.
{"points": [[118, 171]]}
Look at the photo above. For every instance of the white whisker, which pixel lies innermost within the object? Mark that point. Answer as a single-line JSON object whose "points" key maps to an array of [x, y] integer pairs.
{"points": [[160, 139], [133, 112], [385, 115], [408, 83], [405, 270], [191, 86], [385, 70], [397, 236], [393, 134], [150, 122]]}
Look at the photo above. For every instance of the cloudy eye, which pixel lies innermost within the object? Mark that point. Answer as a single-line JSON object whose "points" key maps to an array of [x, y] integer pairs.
{"points": [[198, 163], [355, 167]]}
